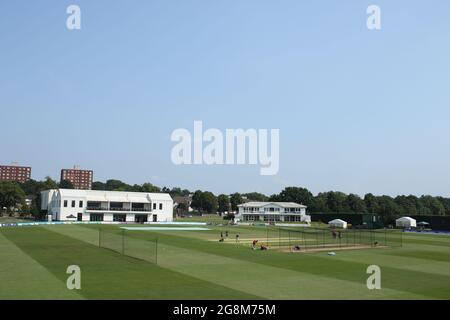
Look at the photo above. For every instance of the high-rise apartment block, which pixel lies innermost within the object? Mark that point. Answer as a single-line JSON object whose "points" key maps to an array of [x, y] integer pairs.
{"points": [[81, 179], [15, 173]]}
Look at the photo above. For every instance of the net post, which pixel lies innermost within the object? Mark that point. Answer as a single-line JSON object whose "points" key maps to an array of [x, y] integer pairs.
{"points": [[317, 239], [304, 242], [156, 251], [372, 238], [323, 239], [289, 237], [123, 241], [401, 239], [346, 239], [279, 237], [99, 237], [339, 239]]}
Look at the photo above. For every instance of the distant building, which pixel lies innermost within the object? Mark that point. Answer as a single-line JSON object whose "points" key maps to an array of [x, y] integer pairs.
{"points": [[182, 201], [272, 212], [15, 173], [81, 179], [108, 206]]}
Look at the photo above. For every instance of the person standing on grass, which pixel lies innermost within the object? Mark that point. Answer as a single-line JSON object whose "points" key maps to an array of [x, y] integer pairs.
{"points": [[221, 234], [226, 233], [237, 237]]}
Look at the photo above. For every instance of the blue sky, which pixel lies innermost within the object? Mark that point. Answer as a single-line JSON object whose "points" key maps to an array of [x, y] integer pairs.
{"points": [[358, 111]]}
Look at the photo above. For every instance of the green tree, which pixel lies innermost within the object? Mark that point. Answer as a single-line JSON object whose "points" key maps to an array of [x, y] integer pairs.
{"points": [[336, 202], [371, 203], [446, 203], [11, 196], [204, 201], [235, 200], [256, 196], [407, 205], [31, 187], [197, 200], [355, 204], [223, 203], [295, 194], [175, 192], [98, 185], [387, 208], [319, 204], [117, 185], [209, 202], [148, 187], [66, 184], [432, 206], [49, 183], [165, 190]]}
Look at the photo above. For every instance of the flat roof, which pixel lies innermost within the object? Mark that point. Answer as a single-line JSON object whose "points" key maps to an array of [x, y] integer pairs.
{"points": [[259, 204], [112, 196]]}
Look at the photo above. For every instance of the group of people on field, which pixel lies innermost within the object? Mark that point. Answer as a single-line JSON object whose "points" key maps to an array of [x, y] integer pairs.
{"points": [[254, 243], [261, 247], [222, 239]]}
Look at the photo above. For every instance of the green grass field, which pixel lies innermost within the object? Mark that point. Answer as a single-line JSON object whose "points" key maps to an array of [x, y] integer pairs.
{"points": [[195, 265]]}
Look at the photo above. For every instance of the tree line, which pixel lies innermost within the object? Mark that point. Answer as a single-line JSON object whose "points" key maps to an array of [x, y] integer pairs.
{"points": [[12, 196], [330, 202]]}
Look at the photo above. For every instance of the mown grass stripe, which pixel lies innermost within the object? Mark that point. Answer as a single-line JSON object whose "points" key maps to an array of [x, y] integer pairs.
{"points": [[109, 275], [269, 281], [22, 277], [285, 276], [414, 282]]}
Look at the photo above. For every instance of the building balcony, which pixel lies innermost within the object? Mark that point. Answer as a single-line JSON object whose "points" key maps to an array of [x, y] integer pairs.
{"points": [[273, 212], [118, 209], [97, 208], [141, 209]]}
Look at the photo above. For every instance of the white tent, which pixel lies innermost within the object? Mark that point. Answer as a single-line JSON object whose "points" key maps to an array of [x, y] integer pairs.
{"points": [[405, 222], [338, 223]]}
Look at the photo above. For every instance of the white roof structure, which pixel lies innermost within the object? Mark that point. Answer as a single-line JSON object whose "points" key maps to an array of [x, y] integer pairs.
{"points": [[258, 204], [115, 196], [102, 196], [338, 223], [406, 222]]}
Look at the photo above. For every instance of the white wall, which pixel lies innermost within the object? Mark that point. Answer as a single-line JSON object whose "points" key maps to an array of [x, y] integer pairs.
{"points": [[53, 201], [164, 215]]}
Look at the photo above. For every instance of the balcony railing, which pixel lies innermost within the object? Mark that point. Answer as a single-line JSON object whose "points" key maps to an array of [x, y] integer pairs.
{"points": [[118, 209], [97, 208], [141, 209]]}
